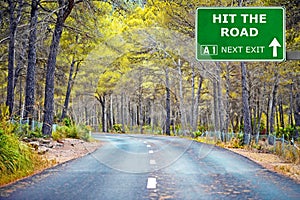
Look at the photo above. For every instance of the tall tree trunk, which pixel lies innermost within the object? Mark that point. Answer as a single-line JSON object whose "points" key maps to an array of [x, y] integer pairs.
{"points": [[111, 119], [273, 104], [69, 88], [102, 101], [197, 101], [20, 98], [297, 113], [291, 121], [220, 98], [20, 63], [216, 107], [168, 102], [181, 100], [192, 124], [260, 109], [30, 77], [65, 8], [122, 112], [227, 77], [13, 22], [281, 114], [245, 100], [140, 104]]}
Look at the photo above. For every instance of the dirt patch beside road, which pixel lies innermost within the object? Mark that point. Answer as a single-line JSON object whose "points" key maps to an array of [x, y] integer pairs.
{"points": [[69, 149], [272, 162]]}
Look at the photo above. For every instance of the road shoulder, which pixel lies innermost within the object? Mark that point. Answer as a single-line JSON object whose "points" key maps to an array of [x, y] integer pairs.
{"points": [[271, 162]]}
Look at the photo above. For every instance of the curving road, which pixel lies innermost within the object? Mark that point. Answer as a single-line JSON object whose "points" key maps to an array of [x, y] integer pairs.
{"points": [[154, 167]]}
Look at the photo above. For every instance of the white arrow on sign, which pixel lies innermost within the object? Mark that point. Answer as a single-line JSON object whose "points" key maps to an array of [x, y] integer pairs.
{"points": [[274, 44]]}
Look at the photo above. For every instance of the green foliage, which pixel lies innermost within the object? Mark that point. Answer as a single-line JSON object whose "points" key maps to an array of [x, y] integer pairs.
{"points": [[117, 128], [14, 154], [57, 135], [16, 158], [24, 130], [200, 131], [197, 133], [237, 141], [288, 152], [74, 131], [288, 132], [67, 122]]}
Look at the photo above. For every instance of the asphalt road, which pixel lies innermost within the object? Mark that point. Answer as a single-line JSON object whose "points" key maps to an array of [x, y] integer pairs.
{"points": [[154, 167]]}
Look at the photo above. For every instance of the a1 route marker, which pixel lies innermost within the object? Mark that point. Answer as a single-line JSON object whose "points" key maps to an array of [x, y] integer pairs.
{"points": [[240, 34]]}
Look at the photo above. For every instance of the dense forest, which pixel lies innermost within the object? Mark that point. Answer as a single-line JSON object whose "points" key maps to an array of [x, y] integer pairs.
{"points": [[129, 66]]}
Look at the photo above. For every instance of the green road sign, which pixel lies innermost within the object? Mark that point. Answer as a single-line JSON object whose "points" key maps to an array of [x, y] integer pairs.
{"points": [[240, 34]]}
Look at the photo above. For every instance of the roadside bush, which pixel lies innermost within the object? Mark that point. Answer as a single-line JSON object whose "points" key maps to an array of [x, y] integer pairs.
{"points": [[288, 132], [237, 141], [117, 128], [17, 160], [74, 131], [67, 122], [197, 134], [288, 152]]}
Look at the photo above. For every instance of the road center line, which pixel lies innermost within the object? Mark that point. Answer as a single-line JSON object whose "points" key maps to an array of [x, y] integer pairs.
{"points": [[151, 184]]}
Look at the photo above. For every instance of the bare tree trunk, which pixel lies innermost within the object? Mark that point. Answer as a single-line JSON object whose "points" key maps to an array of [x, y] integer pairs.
{"points": [[168, 101], [216, 107], [197, 100], [297, 113], [291, 121], [68, 92], [20, 63], [122, 112], [69, 88], [226, 125], [273, 104], [245, 100], [220, 98], [260, 109], [281, 114], [111, 112], [192, 124], [65, 8], [13, 22], [181, 100], [30, 77], [102, 101]]}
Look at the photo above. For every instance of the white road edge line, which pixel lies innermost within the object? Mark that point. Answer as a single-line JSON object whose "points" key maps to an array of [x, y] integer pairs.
{"points": [[151, 184]]}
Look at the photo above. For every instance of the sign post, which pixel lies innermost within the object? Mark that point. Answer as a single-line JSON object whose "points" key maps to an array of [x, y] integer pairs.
{"points": [[240, 34]]}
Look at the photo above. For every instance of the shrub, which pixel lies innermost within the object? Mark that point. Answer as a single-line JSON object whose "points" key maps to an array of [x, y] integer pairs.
{"points": [[236, 141], [17, 160], [197, 134], [117, 128], [67, 122], [288, 132], [74, 131]]}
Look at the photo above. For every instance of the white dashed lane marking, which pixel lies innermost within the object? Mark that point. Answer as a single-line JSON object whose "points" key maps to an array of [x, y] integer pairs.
{"points": [[151, 151], [151, 183]]}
